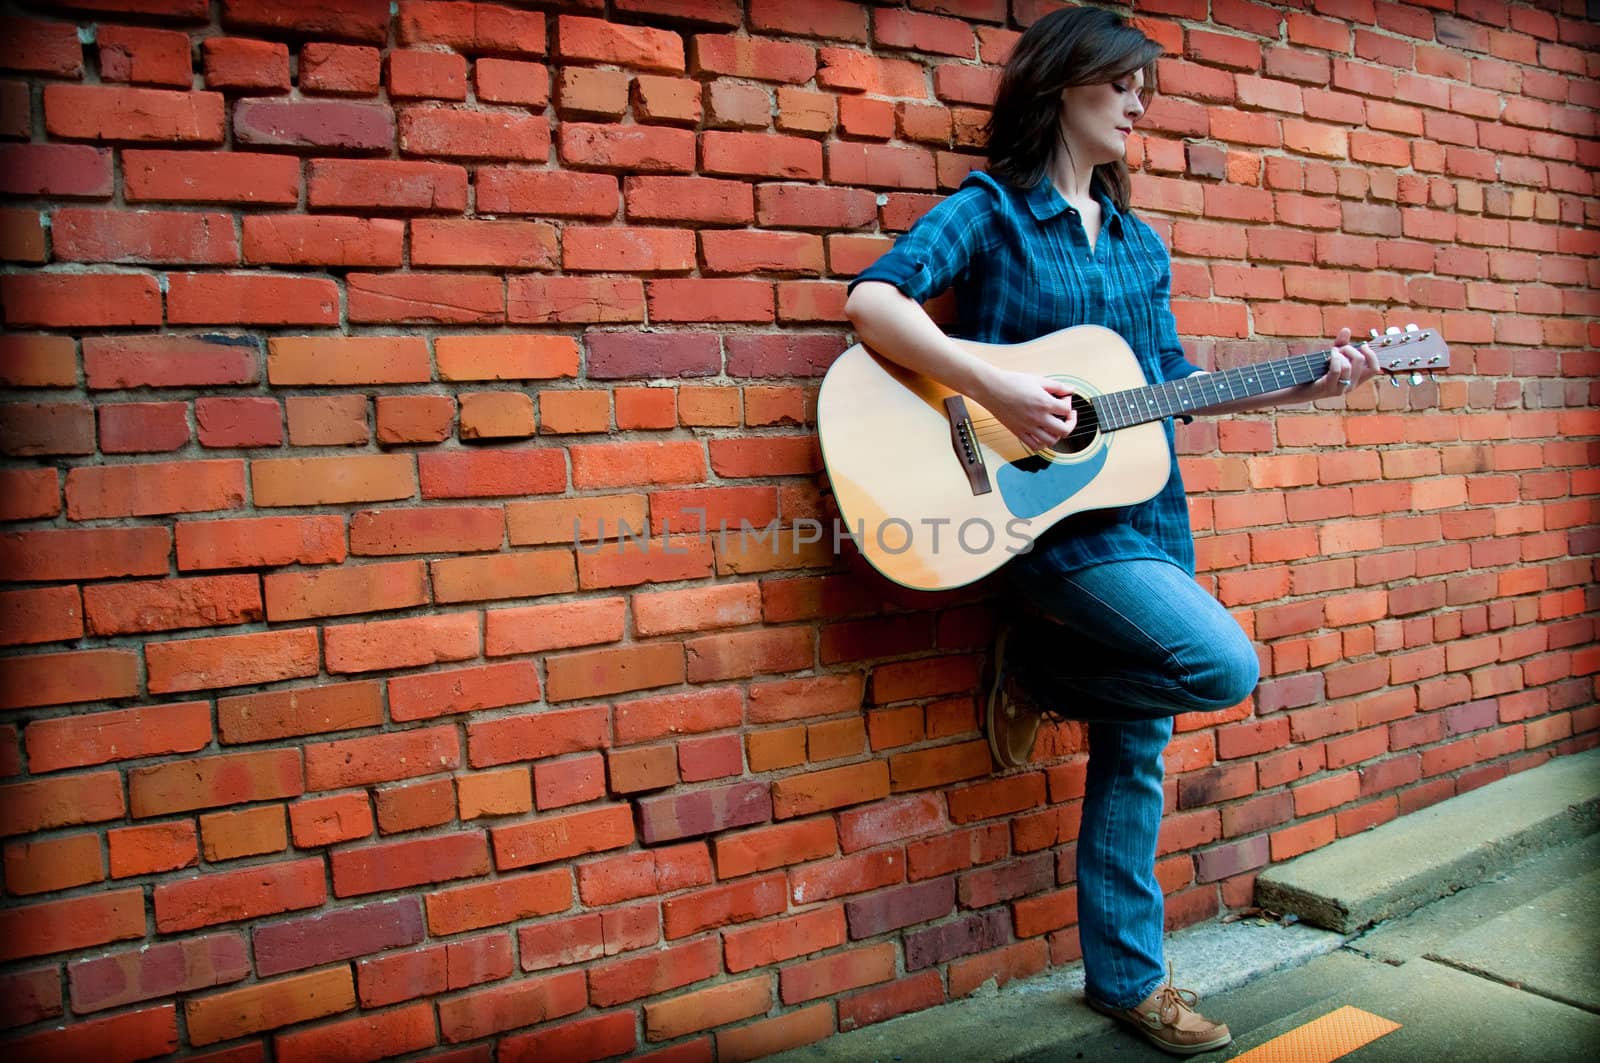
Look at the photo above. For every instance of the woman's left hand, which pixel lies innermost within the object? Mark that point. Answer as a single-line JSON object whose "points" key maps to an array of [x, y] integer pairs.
{"points": [[1349, 367]]}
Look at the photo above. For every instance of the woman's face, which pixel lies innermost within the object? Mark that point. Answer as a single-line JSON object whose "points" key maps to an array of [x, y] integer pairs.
{"points": [[1096, 120]]}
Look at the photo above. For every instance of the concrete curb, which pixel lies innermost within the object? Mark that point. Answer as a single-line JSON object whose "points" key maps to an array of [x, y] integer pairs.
{"points": [[1394, 869]]}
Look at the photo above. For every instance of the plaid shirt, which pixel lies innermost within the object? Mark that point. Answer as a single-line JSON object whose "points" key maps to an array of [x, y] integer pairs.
{"points": [[1021, 267]]}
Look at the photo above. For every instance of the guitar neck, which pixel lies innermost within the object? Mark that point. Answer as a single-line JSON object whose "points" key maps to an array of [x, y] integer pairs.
{"points": [[1123, 409]]}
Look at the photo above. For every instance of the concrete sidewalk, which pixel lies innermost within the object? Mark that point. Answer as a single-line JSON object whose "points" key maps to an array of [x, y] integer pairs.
{"points": [[1473, 924]]}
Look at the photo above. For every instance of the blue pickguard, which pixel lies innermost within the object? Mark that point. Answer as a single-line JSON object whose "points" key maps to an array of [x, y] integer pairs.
{"points": [[1030, 493]]}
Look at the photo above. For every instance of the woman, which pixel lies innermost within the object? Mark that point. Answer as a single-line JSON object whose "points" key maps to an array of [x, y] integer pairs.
{"points": [[1119, 634]]}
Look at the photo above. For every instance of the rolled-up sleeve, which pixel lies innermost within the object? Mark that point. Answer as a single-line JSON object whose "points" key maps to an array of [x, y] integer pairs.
{"points": [[936, 250]]}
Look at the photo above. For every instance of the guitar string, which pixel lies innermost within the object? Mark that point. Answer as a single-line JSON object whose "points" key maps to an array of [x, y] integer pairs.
{"points": [[989, 429]]}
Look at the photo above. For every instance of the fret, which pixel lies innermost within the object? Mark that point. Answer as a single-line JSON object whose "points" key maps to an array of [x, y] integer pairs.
{"points": [[1122, 409]]}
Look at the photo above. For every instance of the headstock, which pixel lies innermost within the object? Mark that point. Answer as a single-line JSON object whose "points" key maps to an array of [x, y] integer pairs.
{"points": [[1411, 350]]}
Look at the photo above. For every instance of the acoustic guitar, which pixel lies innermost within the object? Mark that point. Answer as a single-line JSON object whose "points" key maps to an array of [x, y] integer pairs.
{"points": [[937, 493]]}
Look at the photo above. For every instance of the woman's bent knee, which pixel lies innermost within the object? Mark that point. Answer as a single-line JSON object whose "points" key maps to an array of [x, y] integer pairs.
{"points": [[1228, 675]]}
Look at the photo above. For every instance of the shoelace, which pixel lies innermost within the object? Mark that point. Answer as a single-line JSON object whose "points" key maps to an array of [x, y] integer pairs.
{"points": [[1172, 1002]]}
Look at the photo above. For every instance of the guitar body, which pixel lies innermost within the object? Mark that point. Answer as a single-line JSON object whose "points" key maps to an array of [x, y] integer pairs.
{"points": [[901, 485]]}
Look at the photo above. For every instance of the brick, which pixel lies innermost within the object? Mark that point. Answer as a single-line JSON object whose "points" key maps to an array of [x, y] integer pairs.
{"points": [[62, 925], [900, 907], [67, 678], [38, 361], [322, 821], [667, 100], [597, 1037], [191, 177], [100, 737], [268, 1005], [230, 660], [779, 940], [154, 488], [381, 758], [452, 133], [104, 112], [241, 64], [705, 1008], [169, 361], [511, 81], [260, 542], [655, 972], [526, 1002], [165, 605], [77, 300], [47, 428], [157, 971], [388, 1034], [66, 170], [344, 934], [397, 865], [41, 47], [46, 614], [472, 27], [250, 299], [134, 1035], [818, 791], [427, 75], [672, 817], [386, 185], [709, 709], [322, 240], [533, 736], [319, 481], [764, 848], [52, 864], [597, 673], [459, 690], [86, 234], [342, 591], [230, 896], [143, 427], [210, 782], [152, 848], [754, 57], [339, 69], [912, 993], [598, 40], [562, 837], [29, 996], [551, 193], [248, 832], [361, 20], [635, 149]]}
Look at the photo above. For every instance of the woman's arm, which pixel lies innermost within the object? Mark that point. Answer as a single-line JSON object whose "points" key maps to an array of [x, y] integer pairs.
{"points": [[1034, 409]]}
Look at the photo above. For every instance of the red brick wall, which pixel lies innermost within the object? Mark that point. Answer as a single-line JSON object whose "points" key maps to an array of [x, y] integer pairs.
{"points": [[323, 326]]}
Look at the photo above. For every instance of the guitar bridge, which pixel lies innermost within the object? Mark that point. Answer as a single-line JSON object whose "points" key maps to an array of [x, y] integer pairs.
{"points": [[965, 443]]}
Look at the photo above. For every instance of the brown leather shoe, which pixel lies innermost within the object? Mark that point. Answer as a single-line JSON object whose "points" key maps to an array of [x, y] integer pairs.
{"points": [[1011, 719], [1168, 1020]]}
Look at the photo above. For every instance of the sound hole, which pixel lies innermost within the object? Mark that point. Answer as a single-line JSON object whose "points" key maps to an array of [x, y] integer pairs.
{"points": [[1083, 432]]}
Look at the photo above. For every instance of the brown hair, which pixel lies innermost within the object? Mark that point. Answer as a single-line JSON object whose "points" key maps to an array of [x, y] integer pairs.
{"points": [[1066, 48]]}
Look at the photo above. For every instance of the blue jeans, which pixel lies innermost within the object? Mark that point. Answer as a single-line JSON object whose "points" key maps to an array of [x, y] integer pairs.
{"points": [[1133, 644]]}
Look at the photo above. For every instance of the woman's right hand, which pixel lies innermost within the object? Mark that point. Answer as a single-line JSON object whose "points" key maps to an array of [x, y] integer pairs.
{"points": [[1035, 409]]}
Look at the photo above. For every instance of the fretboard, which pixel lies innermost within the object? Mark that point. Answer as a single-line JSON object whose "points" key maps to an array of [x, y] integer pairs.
{"points": [[1123, 409]]}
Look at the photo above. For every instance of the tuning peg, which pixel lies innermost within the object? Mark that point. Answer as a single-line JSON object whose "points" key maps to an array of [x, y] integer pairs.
{"points": [[1394, 381], [1412, 328], [1392, 330], [1416, 379]]}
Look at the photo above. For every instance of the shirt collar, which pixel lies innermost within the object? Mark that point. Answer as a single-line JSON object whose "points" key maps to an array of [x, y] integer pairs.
{"points": [[1046, 203]]}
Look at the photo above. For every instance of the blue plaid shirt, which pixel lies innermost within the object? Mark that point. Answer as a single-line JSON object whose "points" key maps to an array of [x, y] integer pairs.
{"points": [[1021, 267]]}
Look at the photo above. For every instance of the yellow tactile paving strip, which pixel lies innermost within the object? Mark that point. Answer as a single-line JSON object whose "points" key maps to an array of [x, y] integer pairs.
{"points": [[1322, 1040]]}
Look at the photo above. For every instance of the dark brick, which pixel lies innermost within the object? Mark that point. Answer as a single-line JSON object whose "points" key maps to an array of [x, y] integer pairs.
{"points": [[673, 816], [157, 971], [977, 933], [340, 935], [1002, 882], [619, 355], [1228, 860], [905, 906], [343, 125]]}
